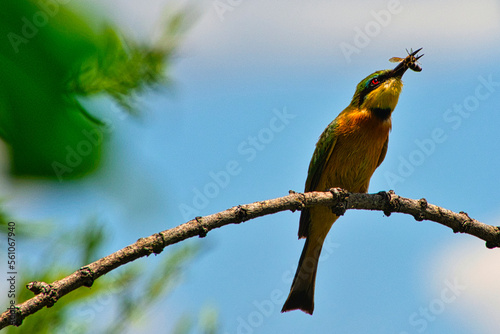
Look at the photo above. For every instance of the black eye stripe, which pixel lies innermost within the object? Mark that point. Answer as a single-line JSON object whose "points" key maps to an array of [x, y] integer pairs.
{"points": [[366, 85], [370, 87]]}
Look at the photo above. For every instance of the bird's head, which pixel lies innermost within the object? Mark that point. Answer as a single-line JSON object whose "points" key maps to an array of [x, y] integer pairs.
{"points": [[379, 92]]}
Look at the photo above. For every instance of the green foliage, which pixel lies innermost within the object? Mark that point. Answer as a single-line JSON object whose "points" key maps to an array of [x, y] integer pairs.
{"points": [[122, 68], [134, 303], [51, 57], [127, 295], [53, 263], [23, 229], [37, 119], [207, 324]]}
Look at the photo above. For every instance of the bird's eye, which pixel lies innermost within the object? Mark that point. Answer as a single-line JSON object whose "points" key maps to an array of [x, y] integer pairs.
{"points": [[374, 82]]}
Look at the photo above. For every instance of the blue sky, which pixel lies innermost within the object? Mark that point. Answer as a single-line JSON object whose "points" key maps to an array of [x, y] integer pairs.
{"points": [[254, 87]]}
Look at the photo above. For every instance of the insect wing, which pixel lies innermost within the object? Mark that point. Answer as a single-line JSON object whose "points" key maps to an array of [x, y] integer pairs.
{"points": [[396, 60]]}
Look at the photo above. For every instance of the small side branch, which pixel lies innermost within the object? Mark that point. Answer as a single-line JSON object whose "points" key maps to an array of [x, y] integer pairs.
{"points": [[46, 295]]}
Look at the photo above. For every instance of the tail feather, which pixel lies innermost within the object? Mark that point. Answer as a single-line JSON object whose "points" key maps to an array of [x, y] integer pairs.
{"points": [[300, 300], [301, 295]]}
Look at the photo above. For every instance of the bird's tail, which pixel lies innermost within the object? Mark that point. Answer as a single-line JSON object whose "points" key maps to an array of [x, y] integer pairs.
{"points": [[301, 295]]}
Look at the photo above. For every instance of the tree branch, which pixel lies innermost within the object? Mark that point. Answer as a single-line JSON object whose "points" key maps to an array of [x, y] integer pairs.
{"points": [[340, 201]]}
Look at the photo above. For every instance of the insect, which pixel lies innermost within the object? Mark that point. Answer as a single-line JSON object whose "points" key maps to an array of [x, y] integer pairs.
{"points": [[410, 61]]}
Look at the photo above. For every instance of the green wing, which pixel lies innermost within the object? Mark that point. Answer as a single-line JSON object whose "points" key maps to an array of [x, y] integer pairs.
{"points": [[322, 153], [383, 153]]}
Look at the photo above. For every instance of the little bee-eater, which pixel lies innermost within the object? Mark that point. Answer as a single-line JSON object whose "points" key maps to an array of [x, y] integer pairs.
{"points": [[346, 155]]}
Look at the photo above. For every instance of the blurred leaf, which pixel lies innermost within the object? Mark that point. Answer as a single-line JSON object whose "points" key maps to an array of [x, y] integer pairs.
{"points": [[168, 273], [46, 131], [93, 237], [53, 267], [121, 69], [152, 287], [134, 290], [184, 325], [49, 58], [209, 320], [23, 229]]}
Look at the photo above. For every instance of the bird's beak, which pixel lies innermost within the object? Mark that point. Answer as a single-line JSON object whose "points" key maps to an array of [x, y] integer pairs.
{"points": [[406, 63]]}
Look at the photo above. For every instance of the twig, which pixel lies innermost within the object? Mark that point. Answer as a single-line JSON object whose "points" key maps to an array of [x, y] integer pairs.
{"points": [[47, 295]]}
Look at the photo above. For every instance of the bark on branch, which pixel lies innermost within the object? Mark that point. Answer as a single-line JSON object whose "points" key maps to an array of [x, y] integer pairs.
{"points": [[47, 294]]}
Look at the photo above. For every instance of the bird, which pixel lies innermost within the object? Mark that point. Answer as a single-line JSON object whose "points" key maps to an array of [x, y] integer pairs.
{"points": [[347, 153]]}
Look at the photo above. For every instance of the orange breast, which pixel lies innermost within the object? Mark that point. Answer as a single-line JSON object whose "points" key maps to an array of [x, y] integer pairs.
{"points": [[360, 141]]}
